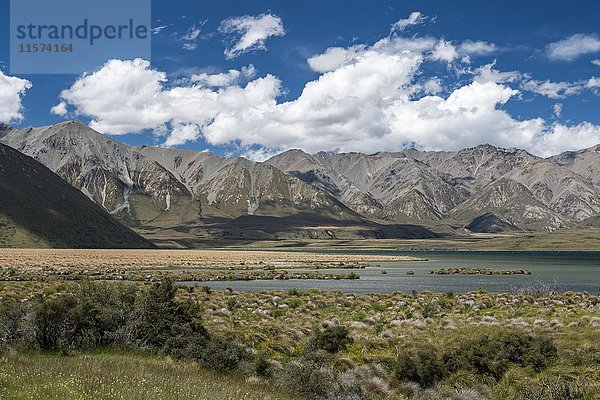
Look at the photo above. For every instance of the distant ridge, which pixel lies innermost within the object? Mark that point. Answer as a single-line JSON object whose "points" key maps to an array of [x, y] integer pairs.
{"points": [[489, 223], [452, 188]]}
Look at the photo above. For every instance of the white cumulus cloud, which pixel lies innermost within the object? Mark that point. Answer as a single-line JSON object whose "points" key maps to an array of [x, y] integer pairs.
{"points": [[129, 97], [559, 138], [60, 109], [593, 83], [444, 51], [250, 32], [415, 18], [553, 90], [477, 48], [573, 47], [333, 58], [121, 97], [366, 98], [487, 73], [12, 90], [224, 79], [183, 133]]}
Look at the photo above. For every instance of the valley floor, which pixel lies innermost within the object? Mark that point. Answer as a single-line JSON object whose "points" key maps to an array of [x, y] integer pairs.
{"points": [[568, 240]]}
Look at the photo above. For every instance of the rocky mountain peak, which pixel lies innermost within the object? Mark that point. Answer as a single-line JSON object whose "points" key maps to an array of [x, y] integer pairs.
{"points": [[4, 129], [293, 152]]}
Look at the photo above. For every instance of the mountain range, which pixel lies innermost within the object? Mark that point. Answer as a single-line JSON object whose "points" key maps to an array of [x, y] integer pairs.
{"points": [[522, 191], [185, 196]]}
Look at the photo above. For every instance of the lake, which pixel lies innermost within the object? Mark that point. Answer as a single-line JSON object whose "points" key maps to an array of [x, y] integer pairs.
{"points": [[562, 271]]}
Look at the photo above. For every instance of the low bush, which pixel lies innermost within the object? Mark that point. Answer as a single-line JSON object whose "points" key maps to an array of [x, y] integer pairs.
{"points": [[222, 354], [332, 339], [493, 353], [421, 365], [55, 325], [308, 379], [12, 323], [429, 310], [92, 315], [489, 354], [158, 314], [187, 342]]}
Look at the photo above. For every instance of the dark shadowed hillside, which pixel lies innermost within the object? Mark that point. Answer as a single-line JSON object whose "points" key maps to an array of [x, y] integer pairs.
{"points": [[39, 209]]}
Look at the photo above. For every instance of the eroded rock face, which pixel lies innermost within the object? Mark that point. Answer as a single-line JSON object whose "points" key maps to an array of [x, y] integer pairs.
{"points": [[142, 184], [123, 182], [525, 191]]}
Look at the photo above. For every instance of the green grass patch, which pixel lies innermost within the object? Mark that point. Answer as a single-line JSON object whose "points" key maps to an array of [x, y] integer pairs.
{"points": [[119, 375]]}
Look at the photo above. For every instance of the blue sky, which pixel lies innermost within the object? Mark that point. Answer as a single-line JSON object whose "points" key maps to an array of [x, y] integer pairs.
{"points": [[549, 104]]}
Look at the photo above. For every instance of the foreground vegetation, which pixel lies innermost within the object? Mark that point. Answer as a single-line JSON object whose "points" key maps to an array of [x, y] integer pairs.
{"points": [[120, 375], [529, 345]]}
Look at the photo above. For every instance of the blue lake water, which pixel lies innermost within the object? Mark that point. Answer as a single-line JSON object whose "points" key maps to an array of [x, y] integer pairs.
{"points": [[562, 271]]}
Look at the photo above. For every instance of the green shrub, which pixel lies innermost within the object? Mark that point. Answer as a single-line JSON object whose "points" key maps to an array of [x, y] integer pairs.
{"points": [[94, 315], [309, 379], [232, 304], [12, 329], [91, 315], [429, 310], [54, 325], [332, 339], [360, 316], [294, 303], [222, 354], [157, 315], [187, 342], [379, 325], [264, 367], [421, 365], [493, 353], [278, 313]]}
